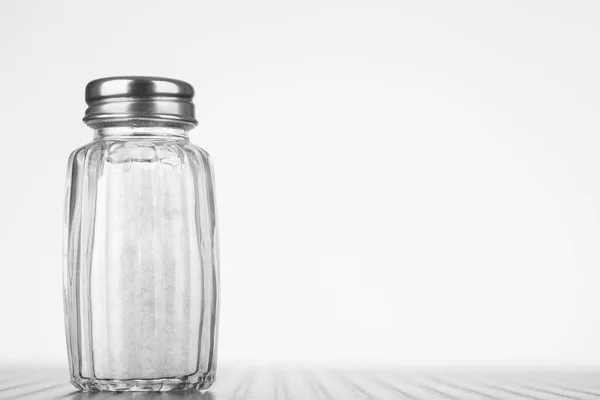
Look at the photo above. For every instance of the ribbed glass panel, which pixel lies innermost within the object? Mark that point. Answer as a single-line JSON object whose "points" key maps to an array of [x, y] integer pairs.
{"points": [[141, 264]]}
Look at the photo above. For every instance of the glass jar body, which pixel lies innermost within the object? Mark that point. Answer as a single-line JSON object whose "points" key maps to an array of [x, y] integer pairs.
{"points": [[141, 262]]}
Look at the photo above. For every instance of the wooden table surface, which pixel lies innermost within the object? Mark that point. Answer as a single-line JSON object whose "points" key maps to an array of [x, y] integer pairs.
{"points": [[331, 384]]}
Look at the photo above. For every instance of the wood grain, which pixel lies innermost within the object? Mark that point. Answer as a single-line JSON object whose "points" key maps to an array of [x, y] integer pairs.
{"points": [[332, 384]]}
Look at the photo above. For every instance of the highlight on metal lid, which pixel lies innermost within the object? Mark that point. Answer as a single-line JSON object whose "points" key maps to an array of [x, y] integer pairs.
{"points": [[123, 98]]}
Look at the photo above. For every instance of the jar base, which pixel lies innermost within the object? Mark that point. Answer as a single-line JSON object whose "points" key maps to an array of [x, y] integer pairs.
{"points": [[144, 385]]}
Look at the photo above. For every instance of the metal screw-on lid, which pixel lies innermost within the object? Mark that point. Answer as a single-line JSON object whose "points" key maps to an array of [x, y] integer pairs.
{"points": [[122, 98]]}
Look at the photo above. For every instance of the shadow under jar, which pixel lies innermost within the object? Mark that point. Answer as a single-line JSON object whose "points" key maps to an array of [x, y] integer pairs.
{"points": [[140, 249]]}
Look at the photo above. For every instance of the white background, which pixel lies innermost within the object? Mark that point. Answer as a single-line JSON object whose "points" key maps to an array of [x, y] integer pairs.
{"points": [[399, 182]]}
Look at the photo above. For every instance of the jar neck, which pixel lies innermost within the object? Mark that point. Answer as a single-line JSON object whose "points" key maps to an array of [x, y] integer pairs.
{"points": [[132, 132]]}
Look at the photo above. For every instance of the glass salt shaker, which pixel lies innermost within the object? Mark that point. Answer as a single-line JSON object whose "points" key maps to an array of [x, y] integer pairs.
{"points": [[140, 248]]}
